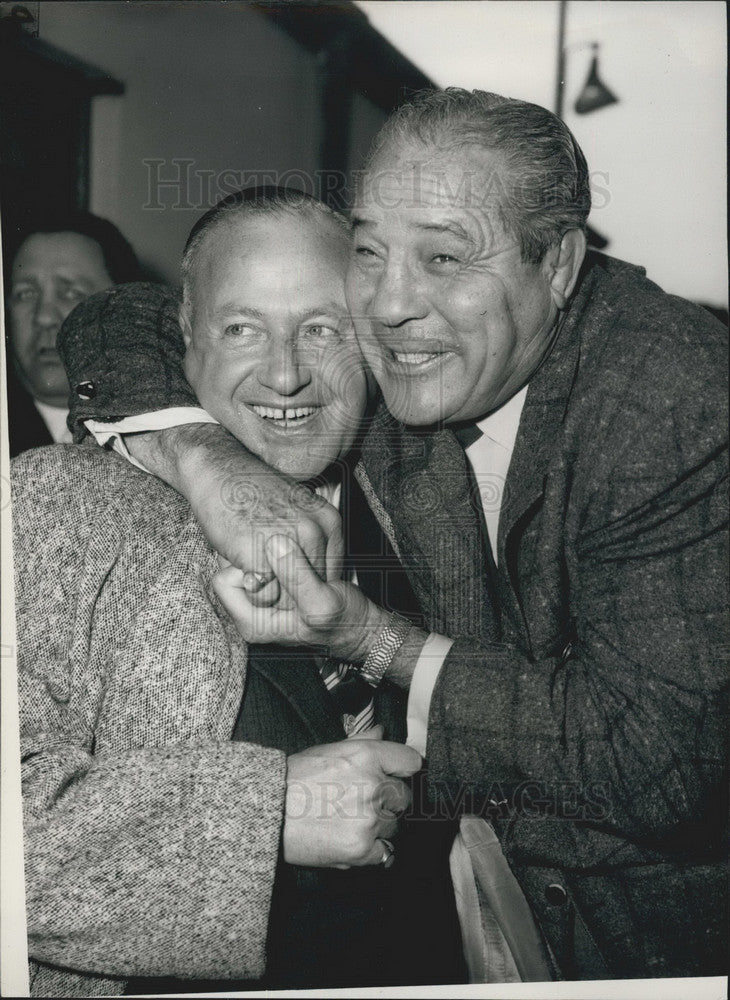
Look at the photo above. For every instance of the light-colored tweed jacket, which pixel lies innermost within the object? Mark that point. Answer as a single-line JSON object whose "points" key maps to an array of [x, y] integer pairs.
{"points": [[151, 840]]}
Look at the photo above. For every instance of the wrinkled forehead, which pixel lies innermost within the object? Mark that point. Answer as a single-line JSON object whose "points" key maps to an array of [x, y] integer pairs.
{"points": [[304, 231], [298, 241], [416, 189], [411, 174]]}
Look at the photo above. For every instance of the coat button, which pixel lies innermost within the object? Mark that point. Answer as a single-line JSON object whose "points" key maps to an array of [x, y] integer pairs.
{"points": [[85, 390], [565, 655], [555, 894]]}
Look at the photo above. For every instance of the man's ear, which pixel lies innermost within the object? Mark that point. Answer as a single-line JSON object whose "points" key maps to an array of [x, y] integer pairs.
{"points": [[564, 266], [191, 361], [185, 324]]}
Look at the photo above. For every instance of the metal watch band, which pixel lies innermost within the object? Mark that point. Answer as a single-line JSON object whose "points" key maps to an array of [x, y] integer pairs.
{"points": [[389, 641]]}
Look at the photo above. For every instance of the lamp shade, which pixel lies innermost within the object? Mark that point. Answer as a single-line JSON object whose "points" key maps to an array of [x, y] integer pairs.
{"points": [[595, 94]]}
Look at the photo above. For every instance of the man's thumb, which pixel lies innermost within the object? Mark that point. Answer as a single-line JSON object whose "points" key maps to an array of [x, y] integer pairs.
{"points": [[292, 570], [399, 760]]}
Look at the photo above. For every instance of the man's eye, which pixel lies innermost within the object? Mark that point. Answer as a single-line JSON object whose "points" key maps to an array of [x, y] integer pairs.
{"points": [[22, 294], [320, 331], [365, 253], [72, 294], [444, 258], [240, 330]]}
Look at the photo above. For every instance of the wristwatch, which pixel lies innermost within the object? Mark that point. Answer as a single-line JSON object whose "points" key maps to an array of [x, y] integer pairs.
{"points": [[389, 640]]}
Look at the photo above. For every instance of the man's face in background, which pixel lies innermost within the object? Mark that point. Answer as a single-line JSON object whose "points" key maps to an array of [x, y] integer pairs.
{"points": [[51, 274], [271, 352]]}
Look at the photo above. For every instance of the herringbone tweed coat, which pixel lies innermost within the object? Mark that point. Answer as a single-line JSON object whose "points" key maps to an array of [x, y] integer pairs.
{"points": [[151, 840], [589, 720]]}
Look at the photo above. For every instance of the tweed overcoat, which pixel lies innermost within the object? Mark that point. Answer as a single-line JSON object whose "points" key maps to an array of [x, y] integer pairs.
{"points": [[138, 810], [589, 721], [151, 840]]}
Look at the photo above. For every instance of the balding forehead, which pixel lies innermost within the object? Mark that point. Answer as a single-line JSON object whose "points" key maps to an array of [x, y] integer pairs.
{"points": [[310, 218], [300, 256], [322, 224]]}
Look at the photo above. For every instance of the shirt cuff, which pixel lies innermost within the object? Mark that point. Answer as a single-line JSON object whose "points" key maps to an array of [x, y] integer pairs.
{"points": [[111, 433], [428, 667]]}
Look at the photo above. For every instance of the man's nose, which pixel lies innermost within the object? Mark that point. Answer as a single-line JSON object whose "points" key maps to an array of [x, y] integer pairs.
{"points": [[398, 297], [48, 314], [285, 370]]}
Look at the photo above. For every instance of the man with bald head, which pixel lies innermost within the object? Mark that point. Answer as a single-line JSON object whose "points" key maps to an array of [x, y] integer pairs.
{"points": [[196, 818], [547, 462]]}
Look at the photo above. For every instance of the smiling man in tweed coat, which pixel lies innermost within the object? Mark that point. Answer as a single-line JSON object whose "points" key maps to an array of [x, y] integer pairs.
{"points": [[180, 821]]}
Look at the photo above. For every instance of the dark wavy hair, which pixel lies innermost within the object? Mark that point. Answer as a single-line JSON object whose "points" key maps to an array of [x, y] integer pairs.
{"points": [[544, 187]]}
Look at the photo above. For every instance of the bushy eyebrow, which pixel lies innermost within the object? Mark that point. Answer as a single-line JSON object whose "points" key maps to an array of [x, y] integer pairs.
{"points": [[452, 228]]}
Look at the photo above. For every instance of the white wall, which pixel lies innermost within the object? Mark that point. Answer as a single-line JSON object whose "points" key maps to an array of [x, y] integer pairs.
{"points": [[662, 147], [214, 83]]}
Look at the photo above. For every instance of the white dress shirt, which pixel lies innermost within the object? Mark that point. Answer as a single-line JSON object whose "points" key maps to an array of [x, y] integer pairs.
{"points": [[54, 417]]}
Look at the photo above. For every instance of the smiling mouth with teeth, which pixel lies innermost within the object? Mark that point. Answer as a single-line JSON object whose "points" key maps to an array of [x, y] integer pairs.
{"points": [[294, 416], [415, 358]]}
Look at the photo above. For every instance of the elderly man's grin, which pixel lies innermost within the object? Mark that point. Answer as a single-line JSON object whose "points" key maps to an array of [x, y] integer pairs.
{"points": [[415, 361]]}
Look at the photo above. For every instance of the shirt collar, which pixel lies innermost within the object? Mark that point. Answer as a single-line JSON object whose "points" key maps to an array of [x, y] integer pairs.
{"points": [[501, 426], [54, 418]]}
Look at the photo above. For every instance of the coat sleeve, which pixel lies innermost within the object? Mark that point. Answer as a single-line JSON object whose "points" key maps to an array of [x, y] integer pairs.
{"points": [[123, 352], [626, 729], [153, 860]]}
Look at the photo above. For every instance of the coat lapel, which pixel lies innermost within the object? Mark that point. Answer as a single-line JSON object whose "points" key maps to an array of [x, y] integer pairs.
{"points": [[422, 480], [544, 413], [540, 425]]}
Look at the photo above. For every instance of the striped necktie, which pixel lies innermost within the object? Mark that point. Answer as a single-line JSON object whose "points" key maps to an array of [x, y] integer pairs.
{"points": [[352, 696]]}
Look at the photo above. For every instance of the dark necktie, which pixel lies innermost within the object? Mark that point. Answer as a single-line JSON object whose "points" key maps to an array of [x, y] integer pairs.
{"points": [[351, 695], [467, 434]]}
